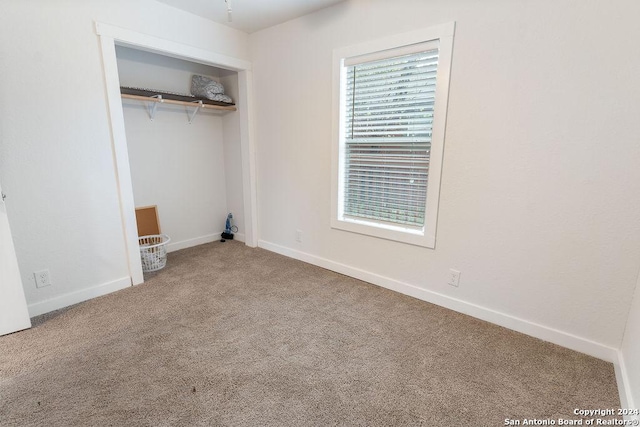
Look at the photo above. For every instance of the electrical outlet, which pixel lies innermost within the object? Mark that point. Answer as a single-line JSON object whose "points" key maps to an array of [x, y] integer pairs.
{"points": [[454, 278], [42, 278], [299, 236]]}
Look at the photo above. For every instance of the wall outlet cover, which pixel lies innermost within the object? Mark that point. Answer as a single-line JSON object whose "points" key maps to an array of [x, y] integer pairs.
{"points": [[454, 278], [42, 278]]}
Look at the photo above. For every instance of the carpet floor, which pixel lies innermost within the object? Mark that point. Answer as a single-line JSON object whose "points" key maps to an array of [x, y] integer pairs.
{"points": [[228, 335]]}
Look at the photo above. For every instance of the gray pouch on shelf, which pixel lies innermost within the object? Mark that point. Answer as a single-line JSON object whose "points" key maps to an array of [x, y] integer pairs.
{"points": [[205, 87]]}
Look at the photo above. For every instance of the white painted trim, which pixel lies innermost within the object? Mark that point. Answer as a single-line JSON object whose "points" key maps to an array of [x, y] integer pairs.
{"points": [[130, 38], [542, 332], [109, 36], [248, 150], [445, 30], [121, 160], [426, 235], [189, 243], [71, 298], [624, 389]]}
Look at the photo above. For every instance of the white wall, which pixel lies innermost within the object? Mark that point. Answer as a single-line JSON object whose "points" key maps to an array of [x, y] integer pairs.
{"points": [[56, 159], [631, 350], [137, 68], [177, 165], [539, 207]]}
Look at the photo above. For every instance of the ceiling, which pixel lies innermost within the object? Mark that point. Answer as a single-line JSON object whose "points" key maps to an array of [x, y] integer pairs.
{"points": [[251, 15]]}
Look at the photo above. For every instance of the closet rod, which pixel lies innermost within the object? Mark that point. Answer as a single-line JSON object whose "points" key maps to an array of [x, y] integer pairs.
{"points": [[173, 101]]}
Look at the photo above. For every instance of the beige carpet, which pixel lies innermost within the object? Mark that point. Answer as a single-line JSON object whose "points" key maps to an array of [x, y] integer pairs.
{"points": [[228, 335]]}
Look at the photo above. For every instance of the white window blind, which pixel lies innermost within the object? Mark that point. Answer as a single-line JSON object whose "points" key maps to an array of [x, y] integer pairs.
{"points": [[389, 108]]}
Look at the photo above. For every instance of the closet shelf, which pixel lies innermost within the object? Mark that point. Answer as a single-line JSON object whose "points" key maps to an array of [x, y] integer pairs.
{"points": [[196, 104], [172, 101]]}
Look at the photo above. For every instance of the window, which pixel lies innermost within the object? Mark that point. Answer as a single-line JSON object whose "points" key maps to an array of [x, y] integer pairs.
{"points": [[391, 99]]}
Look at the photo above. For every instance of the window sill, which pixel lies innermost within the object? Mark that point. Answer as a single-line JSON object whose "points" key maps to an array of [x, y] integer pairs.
{"points": [[417, 237]]}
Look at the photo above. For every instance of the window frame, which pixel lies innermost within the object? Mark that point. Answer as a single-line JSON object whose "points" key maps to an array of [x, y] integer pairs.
{"points": [[425, 236]]}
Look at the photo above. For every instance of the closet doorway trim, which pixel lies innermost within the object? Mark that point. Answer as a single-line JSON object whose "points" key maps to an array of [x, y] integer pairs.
{"points": [[110, 36]]}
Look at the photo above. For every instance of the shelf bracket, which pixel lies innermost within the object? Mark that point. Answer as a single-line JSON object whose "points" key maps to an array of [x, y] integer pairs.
{"points": [[195, 111], [154, 106]]}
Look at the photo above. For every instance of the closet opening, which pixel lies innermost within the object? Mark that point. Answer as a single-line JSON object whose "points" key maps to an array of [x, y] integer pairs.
{"points": [[185, 159], [193, 161]]}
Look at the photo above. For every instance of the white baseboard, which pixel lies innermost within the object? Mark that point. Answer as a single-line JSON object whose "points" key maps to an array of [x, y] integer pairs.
{"points": [[71, 298], [183, 244], [545, 333], [624, 387]]}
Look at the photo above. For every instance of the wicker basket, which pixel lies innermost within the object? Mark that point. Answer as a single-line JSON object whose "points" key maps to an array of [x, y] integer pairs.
{"points": [[153, 252]]}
